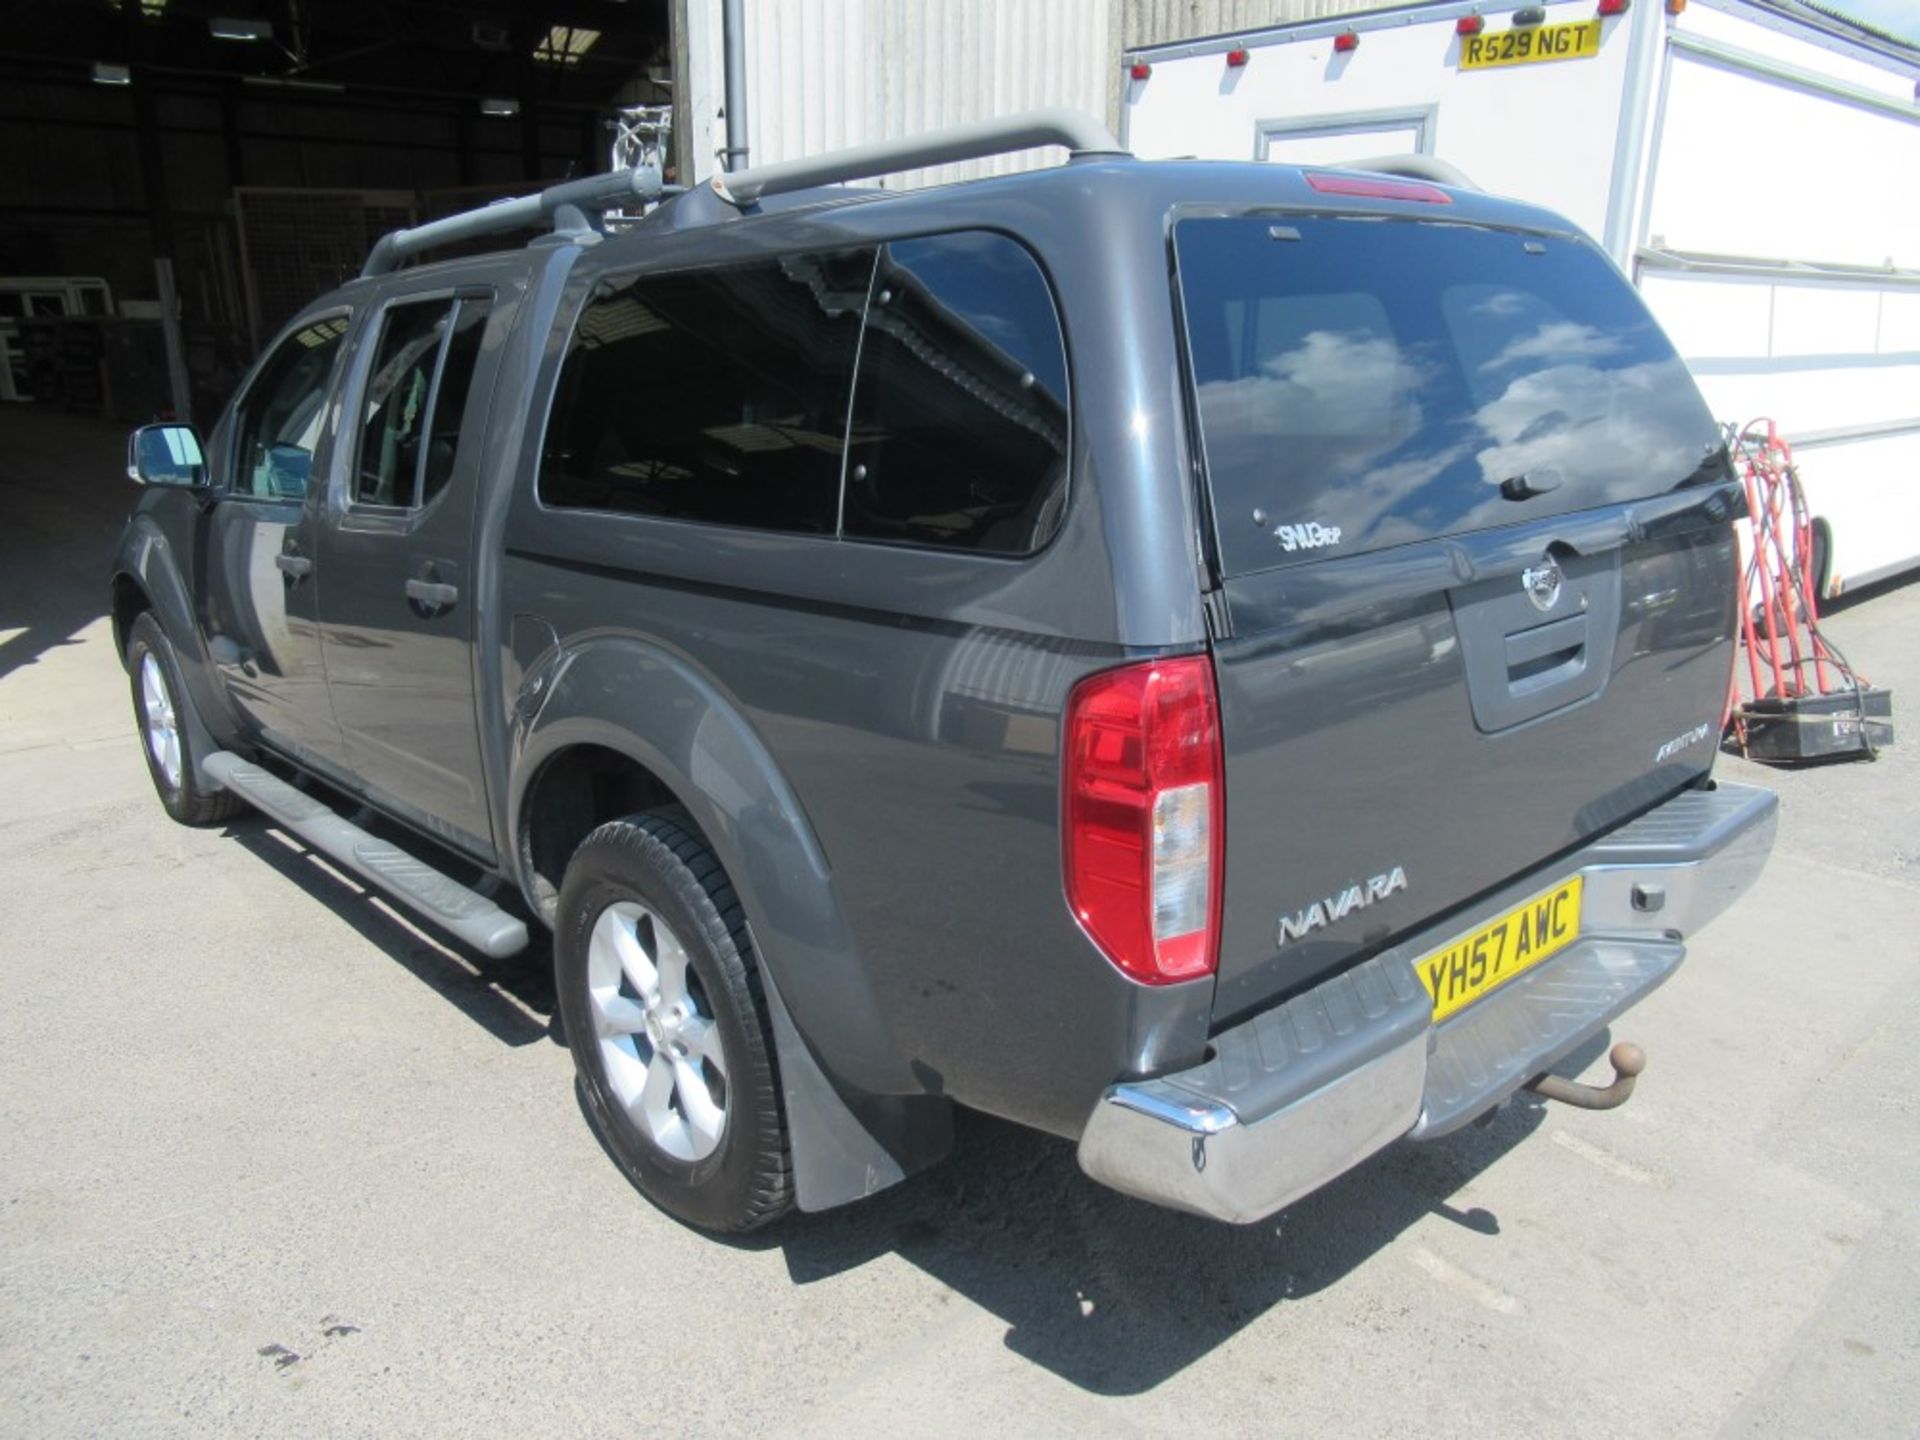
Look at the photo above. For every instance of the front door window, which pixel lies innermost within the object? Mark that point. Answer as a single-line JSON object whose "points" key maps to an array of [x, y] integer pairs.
{"points": [[280, 420]]}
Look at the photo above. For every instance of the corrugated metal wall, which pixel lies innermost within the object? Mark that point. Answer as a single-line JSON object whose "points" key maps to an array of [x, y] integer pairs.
{"points": [[1161, 22], [827, 73]]}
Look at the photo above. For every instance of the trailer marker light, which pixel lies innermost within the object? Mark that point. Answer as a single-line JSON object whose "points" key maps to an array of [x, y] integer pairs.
{"points": [[1674, 7], [1469, 24], [1378, 188], [1345, 42], [1140, 70], [1236, 58], [1614, 7]]}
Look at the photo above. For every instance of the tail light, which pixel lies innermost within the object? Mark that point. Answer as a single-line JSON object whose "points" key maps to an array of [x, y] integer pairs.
{"points": [[1145, 821]]}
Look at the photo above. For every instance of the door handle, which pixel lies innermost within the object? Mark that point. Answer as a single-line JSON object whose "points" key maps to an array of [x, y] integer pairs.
{"points": [[432, 592], [295, 565]]}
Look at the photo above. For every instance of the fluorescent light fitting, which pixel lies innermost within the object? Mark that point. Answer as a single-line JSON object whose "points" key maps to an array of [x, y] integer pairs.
{"points": [[500, 109], [276, 82], [105, 74], [227, 27], [565, 44]]}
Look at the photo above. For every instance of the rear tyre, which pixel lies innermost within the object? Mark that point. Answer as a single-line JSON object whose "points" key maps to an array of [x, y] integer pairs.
{"points": [[159, 710], [659, 990]]}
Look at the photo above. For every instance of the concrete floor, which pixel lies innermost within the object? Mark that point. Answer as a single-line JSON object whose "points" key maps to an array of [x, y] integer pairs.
{"points": [[274, 1162]]}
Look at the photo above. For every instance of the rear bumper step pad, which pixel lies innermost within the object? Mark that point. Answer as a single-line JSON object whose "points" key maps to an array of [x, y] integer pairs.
{"points": [[436, 897]]}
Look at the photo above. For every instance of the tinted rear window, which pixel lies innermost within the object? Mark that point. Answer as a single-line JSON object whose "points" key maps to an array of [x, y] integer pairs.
{"points": [[712, 395], [960, 414], [1363, 383]]}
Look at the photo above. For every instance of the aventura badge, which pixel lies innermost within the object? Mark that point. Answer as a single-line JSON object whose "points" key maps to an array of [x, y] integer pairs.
{"points": [[1330, 908]]}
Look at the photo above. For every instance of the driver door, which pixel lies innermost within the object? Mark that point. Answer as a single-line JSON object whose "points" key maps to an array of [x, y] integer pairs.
{"points": [[260, 606]]}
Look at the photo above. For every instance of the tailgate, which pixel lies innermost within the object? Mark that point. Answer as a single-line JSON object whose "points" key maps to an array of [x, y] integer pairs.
{"points": [[1472, 525]]}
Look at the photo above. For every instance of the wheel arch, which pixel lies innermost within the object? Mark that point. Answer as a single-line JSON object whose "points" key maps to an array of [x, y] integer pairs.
{"points": [[613, 722], [146, 578], [129, 601]]}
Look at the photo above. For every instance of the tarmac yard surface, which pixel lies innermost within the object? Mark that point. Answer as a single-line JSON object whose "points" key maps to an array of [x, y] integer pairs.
{"points": [[273, 1161]]}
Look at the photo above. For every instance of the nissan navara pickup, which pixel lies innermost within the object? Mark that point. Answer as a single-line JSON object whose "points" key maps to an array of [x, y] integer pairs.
{"points": [[1218, 662]]}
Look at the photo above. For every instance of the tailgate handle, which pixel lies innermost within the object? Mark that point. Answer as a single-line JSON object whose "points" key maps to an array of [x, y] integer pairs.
{"points": [[1546, 654]]}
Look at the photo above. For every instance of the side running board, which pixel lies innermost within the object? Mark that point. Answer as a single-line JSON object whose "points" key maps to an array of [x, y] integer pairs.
{"points": [[415, 884]]}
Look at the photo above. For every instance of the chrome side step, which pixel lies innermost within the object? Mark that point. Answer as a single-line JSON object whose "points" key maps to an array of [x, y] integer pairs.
{"points": [[415, 884]]}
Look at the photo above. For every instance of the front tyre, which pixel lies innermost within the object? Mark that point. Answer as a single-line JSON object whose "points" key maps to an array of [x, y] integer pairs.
{"points": [[659, 990], [159, 710]]}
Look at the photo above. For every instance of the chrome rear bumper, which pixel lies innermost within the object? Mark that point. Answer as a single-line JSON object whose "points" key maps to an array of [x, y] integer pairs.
{"points": [[1305, 1091]]}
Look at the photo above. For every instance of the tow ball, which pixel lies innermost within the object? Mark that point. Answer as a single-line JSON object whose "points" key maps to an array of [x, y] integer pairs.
{"points": [[1628, 1061]]}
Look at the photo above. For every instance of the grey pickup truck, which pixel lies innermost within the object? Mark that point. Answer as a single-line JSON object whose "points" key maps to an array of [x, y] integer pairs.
{"points": [[1218, 662]]}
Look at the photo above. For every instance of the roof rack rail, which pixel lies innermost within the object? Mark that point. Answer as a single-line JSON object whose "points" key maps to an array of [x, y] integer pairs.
{"points": [[1003, 135], [574, 207], [1412, 167]]}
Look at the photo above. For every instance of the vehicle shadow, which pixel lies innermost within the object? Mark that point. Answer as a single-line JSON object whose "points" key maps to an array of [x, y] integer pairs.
{"points": [[1112, 1294], [511, 999], [1109, 1293]]}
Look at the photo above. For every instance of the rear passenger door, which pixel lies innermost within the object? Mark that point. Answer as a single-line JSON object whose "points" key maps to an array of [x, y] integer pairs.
{"points": [[398, 590]]}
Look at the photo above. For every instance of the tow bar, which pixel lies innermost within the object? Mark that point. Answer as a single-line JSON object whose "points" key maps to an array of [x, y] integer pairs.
{"points": [[1628, 1061]]}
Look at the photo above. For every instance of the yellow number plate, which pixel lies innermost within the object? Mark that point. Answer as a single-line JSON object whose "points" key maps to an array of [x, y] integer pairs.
{"points": [[1576, 40], [1492, 955]]}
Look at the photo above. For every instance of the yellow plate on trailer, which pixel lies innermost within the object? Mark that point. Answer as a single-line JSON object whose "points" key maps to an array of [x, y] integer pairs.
{"points": [[1575, 40], [1492, 955]]}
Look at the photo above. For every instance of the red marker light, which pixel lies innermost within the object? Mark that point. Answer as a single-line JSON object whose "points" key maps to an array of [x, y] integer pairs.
{"points": [[1614, 7], [1469, 25], [1236, 58], [1345, 41], [1140, 70], [1377, 188]]}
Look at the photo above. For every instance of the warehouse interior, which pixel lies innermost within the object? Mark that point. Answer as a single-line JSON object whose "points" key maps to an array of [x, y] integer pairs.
{"points": [[246, 153]]}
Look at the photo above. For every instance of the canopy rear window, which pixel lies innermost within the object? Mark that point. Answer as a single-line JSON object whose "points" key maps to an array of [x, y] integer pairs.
{"points": [[1363, 382]]}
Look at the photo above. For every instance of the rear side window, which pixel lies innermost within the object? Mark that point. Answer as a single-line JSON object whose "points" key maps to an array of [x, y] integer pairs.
{"points": [[416, 398], [959, 436], [394, 413], [713, 395], [1363, 383]]}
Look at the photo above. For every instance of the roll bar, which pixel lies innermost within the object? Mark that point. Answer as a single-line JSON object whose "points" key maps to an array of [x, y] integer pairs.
{"points": [[1003, 135], [574, 208]]}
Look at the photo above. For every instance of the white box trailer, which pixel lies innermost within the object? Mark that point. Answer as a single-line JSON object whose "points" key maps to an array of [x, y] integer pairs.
{"points": [[1754, 168]]}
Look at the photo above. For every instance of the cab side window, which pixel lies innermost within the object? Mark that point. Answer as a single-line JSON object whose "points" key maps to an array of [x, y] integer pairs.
{"points": [[279, 422], [959, 434], [416, 395]]}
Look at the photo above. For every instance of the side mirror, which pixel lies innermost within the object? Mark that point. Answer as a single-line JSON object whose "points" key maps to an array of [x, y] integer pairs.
{"points": [[166, 454]]}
